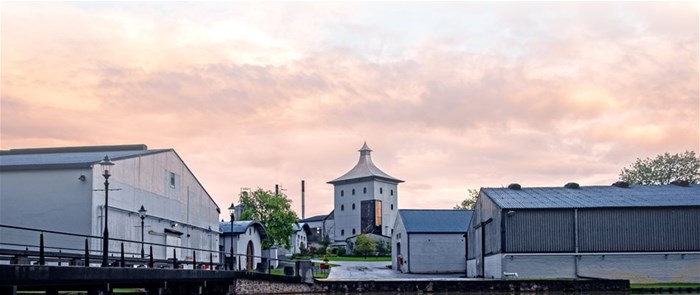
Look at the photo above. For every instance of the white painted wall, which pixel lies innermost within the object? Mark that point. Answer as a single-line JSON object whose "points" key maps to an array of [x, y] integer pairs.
{"points": [[399, 238], [58, 200], [346, 219], [471, 268], [299, 238]]}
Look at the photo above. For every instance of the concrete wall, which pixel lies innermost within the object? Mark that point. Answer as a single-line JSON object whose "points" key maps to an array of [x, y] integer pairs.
{"points": [[493, 266], [436, 253], [638, 268], [471, 268]]}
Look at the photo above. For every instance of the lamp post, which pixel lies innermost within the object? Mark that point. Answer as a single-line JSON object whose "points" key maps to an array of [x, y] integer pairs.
{"points": [[106, 164], [231, 211], [142, 214]]}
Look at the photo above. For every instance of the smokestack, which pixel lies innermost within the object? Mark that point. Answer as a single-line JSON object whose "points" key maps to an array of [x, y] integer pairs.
{"points": [[277, 190], [302, 200]]}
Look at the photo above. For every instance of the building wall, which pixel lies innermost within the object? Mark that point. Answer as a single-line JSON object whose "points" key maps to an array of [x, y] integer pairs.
{"points": [[539, 231], [46, 199], [493, 266], [346, 218], [183, 207], [252, 234], [399, 246], [299, 238], [485, 210], [638, 268], [437, 253]]}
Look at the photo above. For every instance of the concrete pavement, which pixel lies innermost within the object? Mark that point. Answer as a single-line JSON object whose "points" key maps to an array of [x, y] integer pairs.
{"points": [[379, 271]]}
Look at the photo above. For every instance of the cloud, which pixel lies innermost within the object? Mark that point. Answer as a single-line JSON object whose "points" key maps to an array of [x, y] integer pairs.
{"points": [[463, 95]]}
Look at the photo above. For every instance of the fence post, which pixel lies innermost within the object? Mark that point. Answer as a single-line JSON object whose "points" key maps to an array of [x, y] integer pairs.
{"points": [[42, 257], [59, 257], [174, 258], [211, 261], [87, 254], [150, 257], [194, 259], [121, 257]]}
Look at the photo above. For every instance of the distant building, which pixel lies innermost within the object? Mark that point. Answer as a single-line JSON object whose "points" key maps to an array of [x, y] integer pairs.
{"points": [[365, 200], [645, 233], [320, 226], [299, 238], [61, 189], [430, 241], [246, 237]]}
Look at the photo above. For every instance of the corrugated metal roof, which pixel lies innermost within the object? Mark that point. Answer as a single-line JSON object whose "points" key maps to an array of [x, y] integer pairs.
{"points": [[242, 226], [365, 168], [436, 221], [595, 196], [45, 159]]}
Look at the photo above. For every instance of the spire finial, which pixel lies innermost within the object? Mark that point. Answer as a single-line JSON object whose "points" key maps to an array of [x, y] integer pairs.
{"points": [[365, 150]]}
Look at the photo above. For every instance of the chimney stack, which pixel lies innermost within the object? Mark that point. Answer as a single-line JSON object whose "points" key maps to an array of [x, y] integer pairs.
{"points": [[303, 201]]}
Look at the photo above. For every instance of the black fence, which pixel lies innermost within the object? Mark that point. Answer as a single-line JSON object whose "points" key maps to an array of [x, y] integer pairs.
{"points": [[35, 251]]}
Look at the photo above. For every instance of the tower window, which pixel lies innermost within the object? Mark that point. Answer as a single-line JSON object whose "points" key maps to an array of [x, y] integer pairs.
{"points": [[172, 180], [353, 231], [342, 193], [342, 232], [392, 206], [364, 190], [381, 191], [353, 206], [353, 192], [392, 192], [342, 207]]}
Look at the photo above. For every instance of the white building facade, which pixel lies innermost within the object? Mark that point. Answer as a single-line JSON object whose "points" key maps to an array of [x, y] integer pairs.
{"points": [[246, 237], [365, 200], [62, 189]]}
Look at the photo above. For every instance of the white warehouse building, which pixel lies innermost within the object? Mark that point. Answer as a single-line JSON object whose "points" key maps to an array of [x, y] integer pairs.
{"points": [[62, 189]]}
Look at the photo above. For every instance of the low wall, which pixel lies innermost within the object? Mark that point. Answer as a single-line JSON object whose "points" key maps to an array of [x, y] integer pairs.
{"points": [[257, 286], [475, 286]]}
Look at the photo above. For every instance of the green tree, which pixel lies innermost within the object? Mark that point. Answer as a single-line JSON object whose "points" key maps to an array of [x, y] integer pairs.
{"points": [[364, 245], [470, 202], [663, 169], [274, 212]]}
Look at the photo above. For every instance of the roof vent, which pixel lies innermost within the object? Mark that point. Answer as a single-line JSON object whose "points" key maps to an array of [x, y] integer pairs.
{"points": [[514, 186], [572, 185], [622, 184], [683, 183]]}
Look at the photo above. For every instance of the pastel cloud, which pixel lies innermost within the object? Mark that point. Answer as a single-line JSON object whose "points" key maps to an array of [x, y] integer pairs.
{"points": [[454, 96]]}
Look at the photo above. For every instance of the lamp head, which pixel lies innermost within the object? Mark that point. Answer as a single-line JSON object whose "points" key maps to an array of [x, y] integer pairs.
{"points": [[232, 210], [142, 212], [106, 164]]}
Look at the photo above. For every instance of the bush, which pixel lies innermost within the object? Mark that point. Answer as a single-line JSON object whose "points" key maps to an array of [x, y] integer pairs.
{"points": [[341, 252]]}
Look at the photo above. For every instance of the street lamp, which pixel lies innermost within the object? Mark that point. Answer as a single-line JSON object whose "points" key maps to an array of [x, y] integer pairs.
{"points": [[142, 214], [106, 164], [231, 211]]}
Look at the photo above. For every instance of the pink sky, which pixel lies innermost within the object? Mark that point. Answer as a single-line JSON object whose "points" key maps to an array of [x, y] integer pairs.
{"points": [[450, 96]]}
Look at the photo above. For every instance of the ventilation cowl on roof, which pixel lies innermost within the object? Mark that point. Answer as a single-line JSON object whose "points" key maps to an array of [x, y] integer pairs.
{"points": [[572, 185], [683, 183], [622, 184], [514, 186]]}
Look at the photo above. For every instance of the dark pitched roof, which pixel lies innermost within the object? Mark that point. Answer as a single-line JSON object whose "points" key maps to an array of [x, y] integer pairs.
{"points": [[595, 196], [69, 157], [365, 168], [314, 218], [299, 226], [241, 226], [435, 221]]}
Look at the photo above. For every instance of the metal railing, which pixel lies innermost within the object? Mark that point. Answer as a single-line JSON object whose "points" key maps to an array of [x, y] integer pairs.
{"points": [[21, 252]]}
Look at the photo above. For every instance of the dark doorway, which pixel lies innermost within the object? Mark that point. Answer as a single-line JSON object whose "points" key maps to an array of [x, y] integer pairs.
{"points": [[250, 252]]}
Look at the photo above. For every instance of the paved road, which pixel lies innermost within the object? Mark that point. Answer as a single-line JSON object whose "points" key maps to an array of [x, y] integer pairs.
{"points": [[372, 270]]}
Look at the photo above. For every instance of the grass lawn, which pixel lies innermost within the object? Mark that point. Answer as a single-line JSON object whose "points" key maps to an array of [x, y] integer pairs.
{"points": [[664, 285], [355, 258]]}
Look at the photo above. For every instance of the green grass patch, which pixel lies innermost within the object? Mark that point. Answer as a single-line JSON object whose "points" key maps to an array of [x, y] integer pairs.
{"points": [[359, 258], [664, 285]]}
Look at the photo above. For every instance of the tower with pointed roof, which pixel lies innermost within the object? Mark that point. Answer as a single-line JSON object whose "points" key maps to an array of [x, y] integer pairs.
{"points": [[365, 199]]}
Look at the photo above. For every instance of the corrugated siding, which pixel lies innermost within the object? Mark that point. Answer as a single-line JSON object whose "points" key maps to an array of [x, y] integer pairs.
{"points": [[539, 231], [639, 229]]}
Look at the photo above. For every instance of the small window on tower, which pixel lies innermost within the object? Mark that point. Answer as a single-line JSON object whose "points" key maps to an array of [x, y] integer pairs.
{"points": [[342, 232], [392, 206], [353, 206], [353, 192], [172, 179], [342, 193], [381, 191], [353, 231], [364, 190], [342, 207], [392, 192]]}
